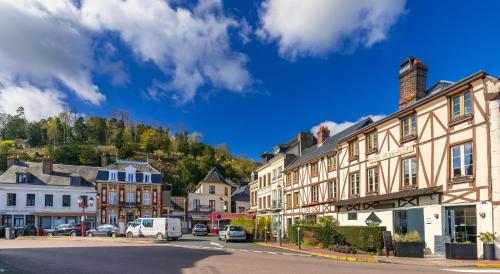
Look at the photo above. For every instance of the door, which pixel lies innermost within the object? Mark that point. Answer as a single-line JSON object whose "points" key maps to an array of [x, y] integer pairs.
{"points": [[416, 221]]}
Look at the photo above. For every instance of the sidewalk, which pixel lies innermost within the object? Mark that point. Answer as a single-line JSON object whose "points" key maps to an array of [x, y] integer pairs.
{"points": [[428, 260]]}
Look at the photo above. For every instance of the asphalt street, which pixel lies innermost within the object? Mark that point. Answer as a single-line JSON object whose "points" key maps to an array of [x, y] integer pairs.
{"points": [[187, 255]]}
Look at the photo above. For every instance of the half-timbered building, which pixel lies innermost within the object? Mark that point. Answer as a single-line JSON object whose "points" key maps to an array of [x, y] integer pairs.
{"points": [[432, 166]]}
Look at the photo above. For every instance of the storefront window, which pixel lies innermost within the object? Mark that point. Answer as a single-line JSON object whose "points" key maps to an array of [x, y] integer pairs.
{"points": [[461, 224], [400, 222]]}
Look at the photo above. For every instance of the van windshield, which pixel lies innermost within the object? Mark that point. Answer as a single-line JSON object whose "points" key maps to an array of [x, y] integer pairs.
{"points": [[236, 228], [136, 222]]}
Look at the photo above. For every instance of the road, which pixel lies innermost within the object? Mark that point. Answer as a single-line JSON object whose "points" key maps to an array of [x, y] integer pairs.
{"points": [[188, 255]]}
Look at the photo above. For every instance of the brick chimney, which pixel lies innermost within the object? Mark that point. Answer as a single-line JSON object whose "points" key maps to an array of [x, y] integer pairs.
{"points": [[412, 81], [12, 160], [47, 165], [323, 134]]}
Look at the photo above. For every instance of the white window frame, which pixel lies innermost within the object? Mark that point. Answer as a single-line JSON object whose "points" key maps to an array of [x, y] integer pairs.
{"points": [[113, 197], [113, 176], [373, 180], [354, 184], [463, 168], [407, 164], [147, 197], [332, 189], [315, 193]]}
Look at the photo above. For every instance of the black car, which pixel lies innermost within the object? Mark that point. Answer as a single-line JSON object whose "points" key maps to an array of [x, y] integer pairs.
{"points": [[65, 230], [106, 230]]}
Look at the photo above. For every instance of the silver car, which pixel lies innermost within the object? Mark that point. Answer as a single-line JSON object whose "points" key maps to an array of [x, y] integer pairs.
{"points": [[234, 233]]}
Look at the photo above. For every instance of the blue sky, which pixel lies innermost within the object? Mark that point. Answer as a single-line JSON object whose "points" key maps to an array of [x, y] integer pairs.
{"points": [[249, 74]]}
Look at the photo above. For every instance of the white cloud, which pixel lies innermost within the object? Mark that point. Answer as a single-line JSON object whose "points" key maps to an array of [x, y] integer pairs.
{"points": [[192, 47], [336, 127], [317, 27], [42, 42], [37, 103]]}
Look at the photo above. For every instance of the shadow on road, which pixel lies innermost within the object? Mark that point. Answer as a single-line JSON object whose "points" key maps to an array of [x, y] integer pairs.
{"points": [[123, 259]]}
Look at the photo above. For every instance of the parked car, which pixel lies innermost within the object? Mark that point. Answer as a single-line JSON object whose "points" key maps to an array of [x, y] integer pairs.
{"points": [[234, 233], [106, 230], [161, 228], [65, 230], [221, 235], [200, 229]]}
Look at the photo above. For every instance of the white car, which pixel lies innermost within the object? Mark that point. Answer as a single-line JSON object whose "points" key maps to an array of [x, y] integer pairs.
{"points": [[233, 233], [160, 228]]}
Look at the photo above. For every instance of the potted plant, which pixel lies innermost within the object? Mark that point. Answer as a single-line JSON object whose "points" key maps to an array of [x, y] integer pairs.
{"points": [[462, 251], [409, 245], [488, 240]]}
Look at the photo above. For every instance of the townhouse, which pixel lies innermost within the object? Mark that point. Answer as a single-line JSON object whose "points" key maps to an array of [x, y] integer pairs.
{"points": [[269, 185], [128, 190], [211, 195], [432, 166], [46, 194]]}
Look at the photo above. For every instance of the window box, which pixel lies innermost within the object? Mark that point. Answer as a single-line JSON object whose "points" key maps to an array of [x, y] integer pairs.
{"points": [[409, 249], [459, 120], [409, 187], [372, 193], [371, 150], [461, 180], [461, 251], [353, 158]]}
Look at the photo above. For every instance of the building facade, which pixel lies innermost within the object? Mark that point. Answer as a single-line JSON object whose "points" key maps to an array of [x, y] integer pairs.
{"points": [[128, 190], [429, 167], [212, 194], [45, 194]]}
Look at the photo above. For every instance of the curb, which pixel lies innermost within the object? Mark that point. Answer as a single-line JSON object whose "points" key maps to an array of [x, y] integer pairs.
{"points": [[487, 265], [92, 239], [332, 257]]}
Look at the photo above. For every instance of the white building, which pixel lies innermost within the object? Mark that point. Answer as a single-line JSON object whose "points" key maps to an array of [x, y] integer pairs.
{"points": [[45, 194]]}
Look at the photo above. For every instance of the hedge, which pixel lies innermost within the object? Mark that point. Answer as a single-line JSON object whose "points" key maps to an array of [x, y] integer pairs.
{"points": [[367, 238]]}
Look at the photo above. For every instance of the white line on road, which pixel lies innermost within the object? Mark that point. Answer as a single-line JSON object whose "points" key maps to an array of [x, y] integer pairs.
{"points": [[216, 244], [473, 270]]}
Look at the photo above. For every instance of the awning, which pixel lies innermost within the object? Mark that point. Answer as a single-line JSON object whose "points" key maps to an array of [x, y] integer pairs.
{"points": [[63, 214], [391, 196]]}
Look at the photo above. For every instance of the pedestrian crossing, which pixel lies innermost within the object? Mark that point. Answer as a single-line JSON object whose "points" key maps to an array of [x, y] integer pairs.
{"points": [[238, 250]]}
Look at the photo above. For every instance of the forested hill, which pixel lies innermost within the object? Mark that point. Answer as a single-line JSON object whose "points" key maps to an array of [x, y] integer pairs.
{"points": [[181, 157]]}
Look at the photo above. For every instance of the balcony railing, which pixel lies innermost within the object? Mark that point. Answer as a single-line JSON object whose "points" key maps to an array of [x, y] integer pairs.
{"points": [[129, 204], [276, 204]]}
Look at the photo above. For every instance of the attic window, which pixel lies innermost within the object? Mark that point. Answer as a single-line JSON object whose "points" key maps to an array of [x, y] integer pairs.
{"points": [[113, 175], [75, 180], [21, 177], [147, 178]]}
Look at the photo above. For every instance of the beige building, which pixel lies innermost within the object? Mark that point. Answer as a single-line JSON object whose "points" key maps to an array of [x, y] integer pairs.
{"points": [[212, 194], [429, 167]]}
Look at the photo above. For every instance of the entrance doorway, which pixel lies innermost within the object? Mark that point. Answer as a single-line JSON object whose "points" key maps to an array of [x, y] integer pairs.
{"points": [[408, 221], [461, 223]]}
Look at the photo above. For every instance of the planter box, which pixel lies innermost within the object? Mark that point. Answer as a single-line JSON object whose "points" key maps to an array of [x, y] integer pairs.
{"points": [[409, 249], [489, 251], [461, 251]]}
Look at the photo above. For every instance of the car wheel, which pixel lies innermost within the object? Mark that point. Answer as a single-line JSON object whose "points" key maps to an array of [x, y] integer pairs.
{"points": [[50, 234], [72, 233], [90, 234], [159, 236], [113, 235], [130, 234]]}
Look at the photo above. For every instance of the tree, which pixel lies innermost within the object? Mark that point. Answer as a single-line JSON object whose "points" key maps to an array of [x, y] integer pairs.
{"points": [[89, 156], [80, 131], [149, 140]]}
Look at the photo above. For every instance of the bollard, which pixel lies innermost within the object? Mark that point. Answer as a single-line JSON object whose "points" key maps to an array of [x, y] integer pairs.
{"points": [[279, 236], [298, 236], [265, 235]]}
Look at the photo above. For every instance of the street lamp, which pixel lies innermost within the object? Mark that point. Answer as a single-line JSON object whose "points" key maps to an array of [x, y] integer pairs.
{"points": [[279, 214], [82, 203]]}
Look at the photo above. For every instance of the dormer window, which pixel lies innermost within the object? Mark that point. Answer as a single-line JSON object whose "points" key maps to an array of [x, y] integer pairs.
{"points": [[113, 175], [130, 177], [147, 178], [75, 179], [21, 177], [130, 173]]}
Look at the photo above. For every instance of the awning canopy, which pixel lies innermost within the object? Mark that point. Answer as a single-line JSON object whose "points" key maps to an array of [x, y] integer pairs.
{"points": [[391, 196]]}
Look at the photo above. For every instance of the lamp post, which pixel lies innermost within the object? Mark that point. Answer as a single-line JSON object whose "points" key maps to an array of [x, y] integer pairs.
{"points": [[279, 214], [83, 204]]}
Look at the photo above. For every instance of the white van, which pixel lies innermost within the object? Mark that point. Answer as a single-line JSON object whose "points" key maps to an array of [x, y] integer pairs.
{"points": [[161, 228]]}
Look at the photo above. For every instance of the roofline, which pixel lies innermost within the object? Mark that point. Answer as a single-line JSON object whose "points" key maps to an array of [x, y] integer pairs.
{"points": [[458, 84]]}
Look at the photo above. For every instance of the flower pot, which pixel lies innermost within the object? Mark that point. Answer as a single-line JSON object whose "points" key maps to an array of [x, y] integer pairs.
{"points": [[489, 251], [409, 249], [461, 251]]}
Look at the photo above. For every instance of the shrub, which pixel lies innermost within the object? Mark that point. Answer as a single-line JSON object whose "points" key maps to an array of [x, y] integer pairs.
{"points": [[328, 236], [344, 249], [247, 224], [366, 238], [487, 237], [410, 237]]}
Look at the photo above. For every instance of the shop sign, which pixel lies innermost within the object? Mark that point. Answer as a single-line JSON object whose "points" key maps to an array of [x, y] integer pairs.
{"points": [[373, 220], [390, 154]]}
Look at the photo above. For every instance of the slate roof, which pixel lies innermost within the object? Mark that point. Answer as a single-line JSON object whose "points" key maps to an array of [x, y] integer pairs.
{"points": [[241, 194], [330, 144], [140, 166], [120, 165], [214, 176], [59, 177]]}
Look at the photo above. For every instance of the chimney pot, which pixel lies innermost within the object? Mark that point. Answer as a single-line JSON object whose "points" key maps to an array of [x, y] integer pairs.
{"points": [[323, 134], [412, 81]]}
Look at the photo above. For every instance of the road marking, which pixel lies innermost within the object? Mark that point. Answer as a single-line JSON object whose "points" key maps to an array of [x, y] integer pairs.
{"points": [[216, 244], [234, 249], [474, 270]]}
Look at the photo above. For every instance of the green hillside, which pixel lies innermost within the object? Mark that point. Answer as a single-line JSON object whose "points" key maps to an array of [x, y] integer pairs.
{"points": [[181, 157]]}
